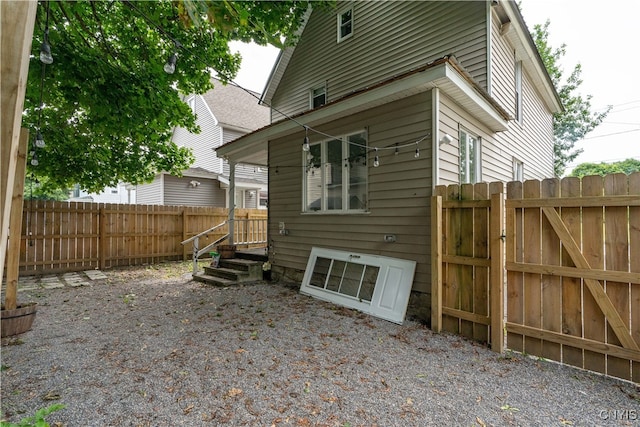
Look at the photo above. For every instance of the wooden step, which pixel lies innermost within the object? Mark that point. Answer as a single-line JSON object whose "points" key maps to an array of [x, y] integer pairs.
{"points": [[231, 271]]}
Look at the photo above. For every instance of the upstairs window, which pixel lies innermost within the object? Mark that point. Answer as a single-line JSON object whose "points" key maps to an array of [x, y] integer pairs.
{"points": [[470, 170], [335, 178], [318, 96], [518, 170], [345, 24], [518, 77]]}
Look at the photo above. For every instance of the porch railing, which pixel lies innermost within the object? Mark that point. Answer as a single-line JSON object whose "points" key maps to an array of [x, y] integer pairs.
{"points": [[246, 232]]}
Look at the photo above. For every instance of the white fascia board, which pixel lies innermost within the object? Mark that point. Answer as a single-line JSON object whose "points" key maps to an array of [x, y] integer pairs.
{"points": [[478, 106]]}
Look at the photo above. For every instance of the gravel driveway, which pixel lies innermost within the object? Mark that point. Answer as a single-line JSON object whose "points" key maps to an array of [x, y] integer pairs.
{"points": [[150, 347]]}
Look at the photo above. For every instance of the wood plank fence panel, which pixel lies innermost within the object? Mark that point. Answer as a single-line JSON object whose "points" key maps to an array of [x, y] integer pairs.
{"points": [[464, 288], [586, 322], [634, 267], [617, 258], [592, 241], [572, 287], [572, 256], [551, 284], [515, 279], [532, 282], [67, 236]]}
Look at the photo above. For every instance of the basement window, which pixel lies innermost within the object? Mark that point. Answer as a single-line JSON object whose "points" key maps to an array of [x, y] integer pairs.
{"points": [[373, 284]]}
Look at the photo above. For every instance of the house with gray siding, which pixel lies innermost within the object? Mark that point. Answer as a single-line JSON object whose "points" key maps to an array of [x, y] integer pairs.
{"points": [[223, 114], [377, 103]]}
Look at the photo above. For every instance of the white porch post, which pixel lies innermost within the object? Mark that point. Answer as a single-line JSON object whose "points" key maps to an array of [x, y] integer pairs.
{"points": [[232, 199]]}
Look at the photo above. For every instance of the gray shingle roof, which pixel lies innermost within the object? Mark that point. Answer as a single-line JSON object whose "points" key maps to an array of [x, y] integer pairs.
{"points": [[236, 107]]}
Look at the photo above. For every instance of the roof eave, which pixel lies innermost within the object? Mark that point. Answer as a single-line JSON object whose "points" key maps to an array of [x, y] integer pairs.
{"points": [[443, 73]]}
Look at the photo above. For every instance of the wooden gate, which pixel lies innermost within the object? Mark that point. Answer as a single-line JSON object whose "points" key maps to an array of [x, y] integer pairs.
{"points": [[467, 265], [573, 272], [572, 288]]}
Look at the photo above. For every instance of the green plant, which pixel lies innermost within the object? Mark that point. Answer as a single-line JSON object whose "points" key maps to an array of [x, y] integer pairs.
{"points": [[37, 420]]}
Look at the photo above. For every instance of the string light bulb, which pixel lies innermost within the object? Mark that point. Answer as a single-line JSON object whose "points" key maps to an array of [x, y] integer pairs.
{"points": [[170, 66], [376, 160], [45, 49], [39, 140], [417, 153], [34, 159], [305, 143]]}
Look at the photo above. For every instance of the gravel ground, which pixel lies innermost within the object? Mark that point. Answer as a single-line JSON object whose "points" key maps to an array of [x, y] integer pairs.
{"points": [[150, 347]]}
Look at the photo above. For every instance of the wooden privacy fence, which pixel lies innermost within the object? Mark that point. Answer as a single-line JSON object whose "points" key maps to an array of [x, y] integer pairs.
{"points": [[66, 236], [572, 269]]}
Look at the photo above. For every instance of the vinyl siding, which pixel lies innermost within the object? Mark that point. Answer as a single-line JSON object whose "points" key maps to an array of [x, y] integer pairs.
{"points": [[178, 191], [151, 193], [532, 140], [398, 192], [248, 174], [389, 38], [202, 144], [229, 135]]}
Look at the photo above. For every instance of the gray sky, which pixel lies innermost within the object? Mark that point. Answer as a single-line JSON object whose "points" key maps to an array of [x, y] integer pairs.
{"points": [[602, 36]]}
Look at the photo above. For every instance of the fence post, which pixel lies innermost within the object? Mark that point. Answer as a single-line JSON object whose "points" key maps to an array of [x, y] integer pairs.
{"points": [[436, 263], [497, 272], [102, 238], [184, 234]]}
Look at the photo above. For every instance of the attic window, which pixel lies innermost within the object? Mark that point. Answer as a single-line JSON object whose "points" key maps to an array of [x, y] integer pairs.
{"points": [[345, 24], [318, 96]]}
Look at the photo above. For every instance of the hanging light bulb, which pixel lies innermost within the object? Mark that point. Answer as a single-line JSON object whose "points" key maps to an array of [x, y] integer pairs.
{"points": [[170, 66], [39, 140], [34, 159], [305, 143], [376, 160], [417, 153], [45, 49], [397, 151]]}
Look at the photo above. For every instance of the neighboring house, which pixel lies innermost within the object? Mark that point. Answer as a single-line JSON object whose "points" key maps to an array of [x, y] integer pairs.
{"points": [[395, 98], [223, 114], [122, 193]]}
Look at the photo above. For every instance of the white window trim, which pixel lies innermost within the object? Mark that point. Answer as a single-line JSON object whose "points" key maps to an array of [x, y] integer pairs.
{"points": [[478, 165], [345, 180], [340, 23]]}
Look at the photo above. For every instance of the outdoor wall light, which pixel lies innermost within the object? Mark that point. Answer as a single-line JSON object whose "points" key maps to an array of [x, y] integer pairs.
{"points": [[45, 49], [170, 66], [446, 139]]}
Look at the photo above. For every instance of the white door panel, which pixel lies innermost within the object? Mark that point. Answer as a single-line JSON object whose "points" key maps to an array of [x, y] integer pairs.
{"points": [[376, 285]]}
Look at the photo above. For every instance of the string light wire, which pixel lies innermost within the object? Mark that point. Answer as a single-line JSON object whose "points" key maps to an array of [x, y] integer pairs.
{"points": [[306, 127]]}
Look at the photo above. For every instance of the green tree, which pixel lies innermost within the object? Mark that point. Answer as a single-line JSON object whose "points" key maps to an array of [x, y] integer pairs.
{"points": [[577, 119], [627, 166], [108, 106], [41, 189]]}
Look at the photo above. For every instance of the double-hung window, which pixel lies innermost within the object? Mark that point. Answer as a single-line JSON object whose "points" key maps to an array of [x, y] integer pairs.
{"points": [[318, 96], [518, 83], [518, 170], [470, 158], [335, 175], [345, 24]]}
